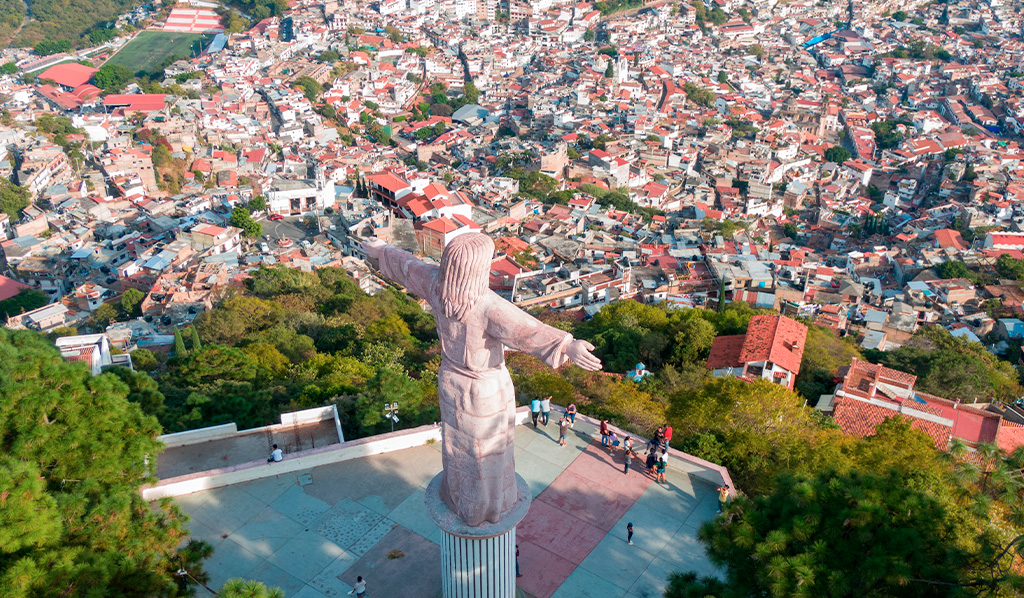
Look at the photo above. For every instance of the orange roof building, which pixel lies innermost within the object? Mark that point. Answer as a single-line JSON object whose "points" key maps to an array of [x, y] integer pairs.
{"points": [[771, 349]]}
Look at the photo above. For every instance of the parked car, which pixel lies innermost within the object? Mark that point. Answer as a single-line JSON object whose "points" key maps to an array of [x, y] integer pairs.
{"points": [[275, 217], [265, 248]]}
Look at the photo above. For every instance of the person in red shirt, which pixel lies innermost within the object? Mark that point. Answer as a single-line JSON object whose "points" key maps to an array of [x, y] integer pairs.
{"points": [[604, 432], [668, 434]]}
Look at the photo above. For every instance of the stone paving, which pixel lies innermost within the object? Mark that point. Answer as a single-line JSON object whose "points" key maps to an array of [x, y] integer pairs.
{"points": [[313, 532]]}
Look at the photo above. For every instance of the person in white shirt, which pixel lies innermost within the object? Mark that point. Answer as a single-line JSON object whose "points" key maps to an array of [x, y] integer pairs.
{"points": [[360, 588], [545, 410], [276, 455]]}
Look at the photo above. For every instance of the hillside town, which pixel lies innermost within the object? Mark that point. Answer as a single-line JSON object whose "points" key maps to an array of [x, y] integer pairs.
{"points": [[856, 166]]}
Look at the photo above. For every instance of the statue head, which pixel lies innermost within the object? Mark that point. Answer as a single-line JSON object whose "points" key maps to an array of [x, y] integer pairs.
{"points": [[464, 275]]}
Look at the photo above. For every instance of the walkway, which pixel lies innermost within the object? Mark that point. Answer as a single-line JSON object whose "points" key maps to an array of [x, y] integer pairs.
{"points": [[311, 534]]}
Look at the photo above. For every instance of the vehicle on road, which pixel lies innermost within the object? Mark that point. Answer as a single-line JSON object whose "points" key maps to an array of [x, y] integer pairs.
{"points": [[264, 248], [275, 217]]}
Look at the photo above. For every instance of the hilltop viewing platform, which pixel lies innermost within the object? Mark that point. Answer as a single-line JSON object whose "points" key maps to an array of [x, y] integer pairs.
{"points": [[312, 531]]}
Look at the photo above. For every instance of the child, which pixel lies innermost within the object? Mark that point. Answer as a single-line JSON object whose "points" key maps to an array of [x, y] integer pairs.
{"points": [[276, 455], [563, 430], [360, 588], [628, 459], [613, 442], [662, 463], [629, 533]]}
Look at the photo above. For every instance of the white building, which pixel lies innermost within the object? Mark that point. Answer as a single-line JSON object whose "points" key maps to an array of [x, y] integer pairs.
{"points": [[297, 197]]}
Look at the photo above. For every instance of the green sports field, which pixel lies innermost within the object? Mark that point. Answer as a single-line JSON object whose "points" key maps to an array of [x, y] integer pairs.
{"points": [[150, 48]]}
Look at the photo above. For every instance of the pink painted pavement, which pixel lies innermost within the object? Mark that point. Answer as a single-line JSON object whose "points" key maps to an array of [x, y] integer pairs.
{"points": [[573, 514]]}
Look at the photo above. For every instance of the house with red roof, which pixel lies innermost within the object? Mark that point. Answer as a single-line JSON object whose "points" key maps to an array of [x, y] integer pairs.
{"points": [[771, 349], [10, 287], [434, 236], [868, 394], [68, 75]]}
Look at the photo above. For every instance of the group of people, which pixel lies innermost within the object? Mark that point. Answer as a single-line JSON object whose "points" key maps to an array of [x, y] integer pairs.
{"points": [[540, 410], [656, 458]]}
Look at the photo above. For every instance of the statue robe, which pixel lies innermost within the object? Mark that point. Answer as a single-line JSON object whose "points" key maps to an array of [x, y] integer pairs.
{"points": [[475, 391]]}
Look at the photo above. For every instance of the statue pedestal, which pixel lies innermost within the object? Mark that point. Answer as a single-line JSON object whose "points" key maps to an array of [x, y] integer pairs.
{"points": [[477, 562]]}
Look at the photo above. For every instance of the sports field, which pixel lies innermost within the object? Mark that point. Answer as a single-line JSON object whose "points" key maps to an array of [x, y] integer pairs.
{"points": [[150, 48]]}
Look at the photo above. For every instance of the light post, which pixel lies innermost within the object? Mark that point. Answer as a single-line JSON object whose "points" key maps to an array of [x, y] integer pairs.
{"points": [[391, 413]]}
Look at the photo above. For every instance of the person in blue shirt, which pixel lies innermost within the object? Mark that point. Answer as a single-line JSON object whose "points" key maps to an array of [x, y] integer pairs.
{"points": [[535, 411]]}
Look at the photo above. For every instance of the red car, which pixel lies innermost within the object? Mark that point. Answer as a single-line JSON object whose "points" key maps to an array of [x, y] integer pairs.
{"points": [[275, 217]]}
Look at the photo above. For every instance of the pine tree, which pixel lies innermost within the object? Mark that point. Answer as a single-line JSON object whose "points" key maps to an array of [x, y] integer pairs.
{"points": [[179, 344], [610, 71], [196, 345]]}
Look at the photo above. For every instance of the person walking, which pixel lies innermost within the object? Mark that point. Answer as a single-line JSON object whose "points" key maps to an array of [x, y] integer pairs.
{"points": [[518, 574], [660, 466], [571, 412], [604, 432], [628, 457], [360, 588], [723, 497], [629, 533], [545, 409], [276, 455], [563, 430], [535, 411]]}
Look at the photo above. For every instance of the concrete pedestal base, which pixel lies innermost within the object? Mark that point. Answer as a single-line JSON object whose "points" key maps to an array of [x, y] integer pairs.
{"points": [[477, 562]]}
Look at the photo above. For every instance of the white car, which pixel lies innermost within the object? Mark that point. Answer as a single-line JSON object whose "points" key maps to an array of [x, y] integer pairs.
{"points": [[265, 248]]}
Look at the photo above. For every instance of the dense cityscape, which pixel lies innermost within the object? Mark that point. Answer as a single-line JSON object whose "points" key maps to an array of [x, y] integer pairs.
{"points": [[793, 233]]}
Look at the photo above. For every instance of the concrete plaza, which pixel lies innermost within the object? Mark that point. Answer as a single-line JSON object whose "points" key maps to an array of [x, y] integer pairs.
{"points": [[313, 532]]}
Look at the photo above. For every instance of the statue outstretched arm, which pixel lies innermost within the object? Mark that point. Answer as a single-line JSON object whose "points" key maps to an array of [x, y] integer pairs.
{"points": [[520, 331], [402, 267]]}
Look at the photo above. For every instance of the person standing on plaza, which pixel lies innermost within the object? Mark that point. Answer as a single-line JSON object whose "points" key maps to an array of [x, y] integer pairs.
{"points": [[545, 409], [723, 497], [535, 411], [604, 432], [627, 444], [360, 588], [563, 430], [661, 465], [629, 533], [628, 458], [650, 461], [518, 574], [571, 412], [668, 435]]}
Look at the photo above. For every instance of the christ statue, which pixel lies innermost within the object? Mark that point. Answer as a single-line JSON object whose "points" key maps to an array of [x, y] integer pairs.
{"points": [[474, 388]]}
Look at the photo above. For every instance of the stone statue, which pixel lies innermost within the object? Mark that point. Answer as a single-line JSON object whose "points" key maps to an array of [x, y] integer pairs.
{"points": [[474, 388]]}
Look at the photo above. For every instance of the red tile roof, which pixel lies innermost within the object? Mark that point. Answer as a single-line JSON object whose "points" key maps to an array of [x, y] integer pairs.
{"points": [[389, 181], [777, 339], [860, 419], [725, 352], [69, 74], [10, 287]]}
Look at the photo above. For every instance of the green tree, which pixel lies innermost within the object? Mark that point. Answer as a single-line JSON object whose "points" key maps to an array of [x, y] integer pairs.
{"points": [[837, 154], [131, 302], [13, 199], [953, 269], [852, 534], [113, 77], [104, 315], [824, 354], [610, 71], [311, 88], [756, 51], [241, 218], [144, 360], [76, 452], [179, 345], [723, 77], [328, 56], [196, 345], [26, 300], [258, 204], [243, 588], [8, 68]]}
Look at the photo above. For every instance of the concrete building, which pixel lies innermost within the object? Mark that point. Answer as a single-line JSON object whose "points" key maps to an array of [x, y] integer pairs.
{"points": [[297, 197], [771, 349]]}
